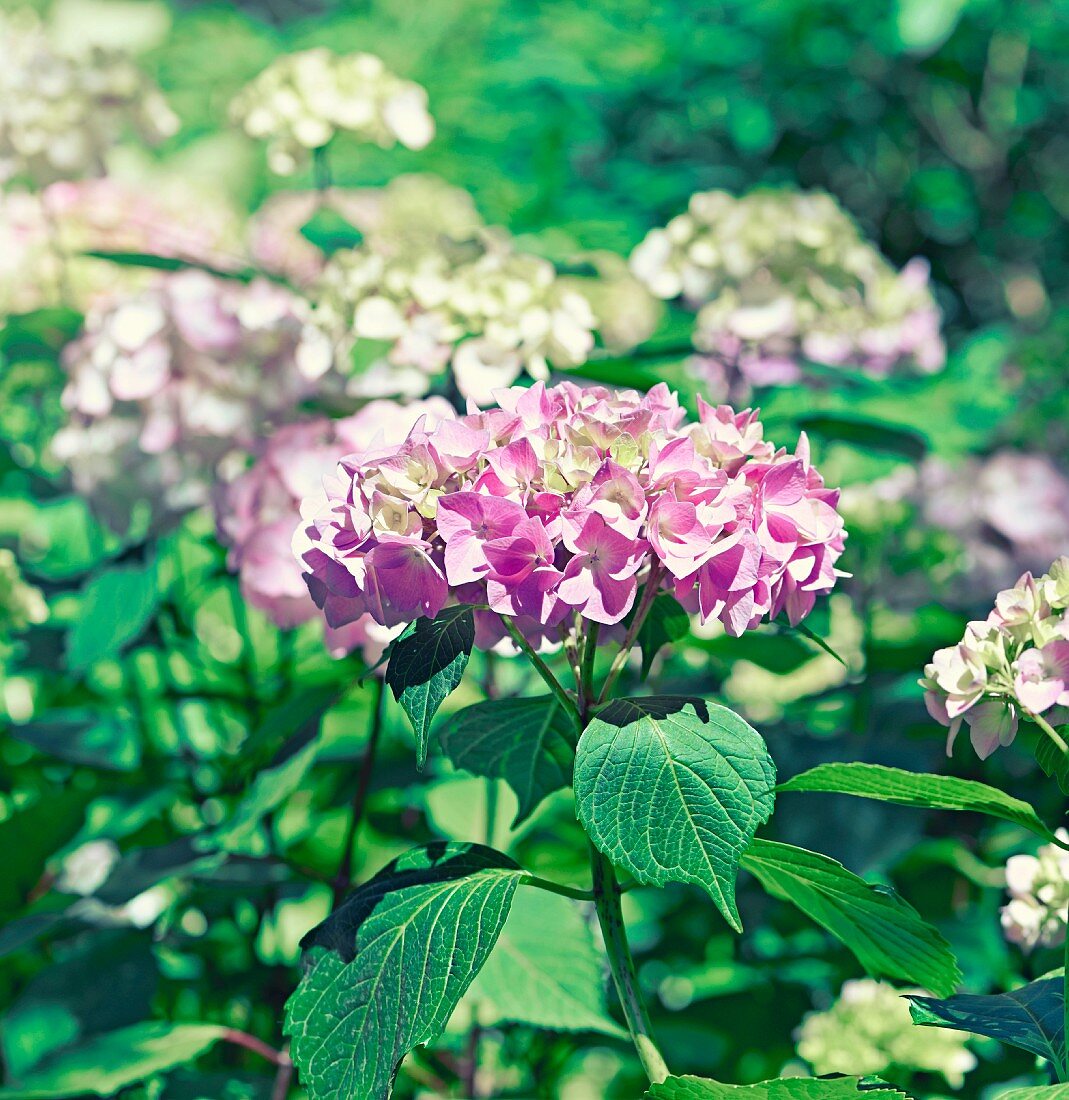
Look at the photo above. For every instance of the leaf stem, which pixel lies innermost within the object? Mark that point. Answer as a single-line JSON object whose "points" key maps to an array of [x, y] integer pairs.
{"points": [[610, 916], [344, 874], [573, 892], [257, 1046], [1048, 729], [543, 670]]}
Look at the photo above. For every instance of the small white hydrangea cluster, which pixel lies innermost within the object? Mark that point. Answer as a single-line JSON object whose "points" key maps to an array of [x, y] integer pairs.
{"points": [[165, 385], [869, 1030], [21, 605], [780, 278], [300, 101], [1038, 909], [477, 305], [60, 114]]}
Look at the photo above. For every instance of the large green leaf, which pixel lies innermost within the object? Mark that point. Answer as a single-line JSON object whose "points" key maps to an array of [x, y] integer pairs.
{"points": [[544, 970], [888, 936], [673, 789], [530, 743], [386, 970], [426, 663], [917, 789], [1039, 1092], [116, 608], [106, 1064], [783, 1088], [938, 792], [99, 740], [1031, 1017]]}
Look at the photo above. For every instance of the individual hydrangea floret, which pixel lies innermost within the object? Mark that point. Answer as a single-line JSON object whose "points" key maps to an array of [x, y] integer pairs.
{"points": [[563, 501], [257, 512], [1038, 909], [869, 1030], [475, 305], [780, 278], [166, 384], [60, 115], [1014, 662], [301, 100]]}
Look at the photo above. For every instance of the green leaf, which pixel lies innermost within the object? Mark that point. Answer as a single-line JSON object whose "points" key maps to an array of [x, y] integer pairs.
{"points": [[886, 934], [544, 970], [84, 737], [142, 868], [105, 1064], [386, 970], [1039, 1092], [116, 608], [1054, 762], [673, 789], [807, 632], [529, 743], [783, 1088], [665, 624], [330, 232], [919, 789], [427, 662], [171, 263], [1031, 1018], [867, 433]]}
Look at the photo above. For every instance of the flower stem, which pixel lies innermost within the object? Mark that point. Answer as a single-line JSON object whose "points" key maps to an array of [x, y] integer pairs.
{"points": [[611, 918], [543, 670], [649, 594], [1049, 730]]}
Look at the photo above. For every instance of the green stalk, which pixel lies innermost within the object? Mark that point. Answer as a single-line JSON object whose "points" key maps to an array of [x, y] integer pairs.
{"points": [[543, 670]]}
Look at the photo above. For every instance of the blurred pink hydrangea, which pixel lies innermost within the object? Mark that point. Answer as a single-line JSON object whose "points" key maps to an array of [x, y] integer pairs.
{"points": [[1015, 662], [1038, 909], [781, 278], [563, 501], [168, 384], [257, 512]]}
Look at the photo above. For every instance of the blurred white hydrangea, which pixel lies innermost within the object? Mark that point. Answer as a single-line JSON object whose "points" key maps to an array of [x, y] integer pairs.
{"points": [[1038, 909], [85, 870], [165, 386], [301, 100], [476, 305], [869, 1030], [407, 216], [61, 113], [21, 605], [780, 278]]}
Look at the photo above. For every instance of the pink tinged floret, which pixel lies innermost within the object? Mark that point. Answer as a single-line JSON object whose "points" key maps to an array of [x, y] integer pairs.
{"points": [[991, 723], [466, 521], [522, 576], [1042, 679], [403, 583], [678, 537], [600, 579], [516, 465]]}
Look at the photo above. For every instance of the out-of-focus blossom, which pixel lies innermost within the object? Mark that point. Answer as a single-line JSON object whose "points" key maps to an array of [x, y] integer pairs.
{"points": [[61, 114], [257, 512], [625, 313], [21, 605], [85, 870], [563, 501], [1038, 909], [1015, 661], [44, 237], [410, 215], [301, 100], [166, 384], [476, 305], [869, 1030], [780, 279]]}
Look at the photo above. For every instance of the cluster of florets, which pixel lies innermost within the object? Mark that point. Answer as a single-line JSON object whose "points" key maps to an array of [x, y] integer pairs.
{"points": [[21, 605], [299, 102], [44, 237], [60, 115], [869, 1030], [1014, 662], [403, 219], [1038, 908], [257, 512], [781, 278], [164, 385], [561, 502], [476, 305]]}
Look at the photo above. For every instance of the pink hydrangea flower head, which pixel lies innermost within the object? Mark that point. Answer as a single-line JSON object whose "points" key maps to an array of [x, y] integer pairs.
{"points": [[561, 501]]}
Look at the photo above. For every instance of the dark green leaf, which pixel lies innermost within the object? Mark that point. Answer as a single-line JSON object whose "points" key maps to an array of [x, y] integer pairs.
{"points": [[886, 934], [920, 789], [673, 789], [783, 1088], [1039, 1092], [386, 970], [427, 662], [170, 263], [84, 737], [544, 970], [1031, 1018], [330, 232], [145, 867], [868, 433], [1054, 762], [807, 632], [665, 624], [530, 743], [116, 608]]}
